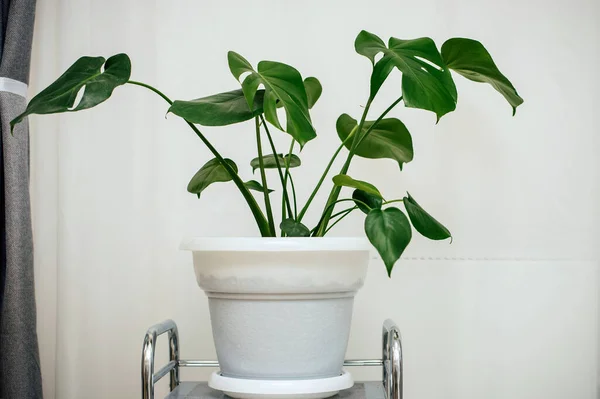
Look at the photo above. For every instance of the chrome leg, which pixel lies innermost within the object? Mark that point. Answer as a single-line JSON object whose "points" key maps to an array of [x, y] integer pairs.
{"points": [[392, 360], [149, 378]]}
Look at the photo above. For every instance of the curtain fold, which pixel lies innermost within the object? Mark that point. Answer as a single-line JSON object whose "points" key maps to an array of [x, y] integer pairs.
{"points": [[20, 375]]}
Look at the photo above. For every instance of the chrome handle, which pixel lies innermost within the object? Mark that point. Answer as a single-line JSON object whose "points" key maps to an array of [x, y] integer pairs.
{"points": [[392, 360], [149, 378]]}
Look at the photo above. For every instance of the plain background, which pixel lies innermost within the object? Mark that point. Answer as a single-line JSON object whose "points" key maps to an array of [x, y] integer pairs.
{"points": [[509, 310]]}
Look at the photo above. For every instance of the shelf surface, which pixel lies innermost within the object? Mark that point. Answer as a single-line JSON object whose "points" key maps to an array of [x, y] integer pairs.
{"points": [[201, 390]]}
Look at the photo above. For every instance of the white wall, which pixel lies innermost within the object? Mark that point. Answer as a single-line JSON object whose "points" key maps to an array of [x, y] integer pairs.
{"points": [[509, 310]]}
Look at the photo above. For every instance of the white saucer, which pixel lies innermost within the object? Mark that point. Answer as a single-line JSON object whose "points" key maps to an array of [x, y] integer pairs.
{"points": [[280, 389]]}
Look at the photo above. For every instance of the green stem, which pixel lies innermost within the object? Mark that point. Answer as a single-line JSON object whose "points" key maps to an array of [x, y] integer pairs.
{"points": [[335, 191], [285, 179], [286, 198], [261, 221], [346, 213], [340, 212], [263, 177], [323, 176], [294, 197], [392, 201], [330, 206]]}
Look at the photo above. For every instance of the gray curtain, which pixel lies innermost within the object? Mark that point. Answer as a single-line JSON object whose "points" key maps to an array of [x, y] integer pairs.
{"points": [[20, 376]]}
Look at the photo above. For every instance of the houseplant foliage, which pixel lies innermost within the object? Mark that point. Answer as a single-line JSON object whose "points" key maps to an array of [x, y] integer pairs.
{"points": [[272, 89]]}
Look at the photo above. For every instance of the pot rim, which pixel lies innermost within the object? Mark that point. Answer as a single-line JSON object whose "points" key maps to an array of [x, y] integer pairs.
{"points": [[274, 244]]}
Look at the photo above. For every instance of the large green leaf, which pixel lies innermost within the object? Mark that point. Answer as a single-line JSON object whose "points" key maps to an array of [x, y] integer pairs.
{"points": [[347, 181], [211, 172], [219, 109], [388, 139], [390, 233], [294, 229], [426, 82], [256, 186], [423, 222], [269, 162], [88, 73], [361, 198], [470, 59], [282, 83]]}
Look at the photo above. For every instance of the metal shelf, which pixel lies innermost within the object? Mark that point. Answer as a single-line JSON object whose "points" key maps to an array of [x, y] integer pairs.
{"points": [[389, 388]]}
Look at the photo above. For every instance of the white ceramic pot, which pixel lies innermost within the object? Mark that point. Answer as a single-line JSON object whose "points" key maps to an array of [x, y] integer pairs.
{"points": [[280, 308]]}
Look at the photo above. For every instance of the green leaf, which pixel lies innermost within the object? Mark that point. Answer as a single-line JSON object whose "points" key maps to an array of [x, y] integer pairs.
{"points": [[219, 109], [423, 222], [390, 233], [347, 181], [369, 45], [388, 139], [313, 90], [269, 161], [294, 229], [426, 82], [211, 172], [470, 59], [256, 186], [283, 84], [87, 73], [361, 197]]}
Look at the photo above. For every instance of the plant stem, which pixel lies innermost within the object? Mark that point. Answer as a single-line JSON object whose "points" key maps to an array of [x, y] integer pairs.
{"points": [[286, 198], [263, 177], [294, 196], [392, 201], [330, 206], [323, 176], [261, 221], [335, 191], [345, 213], [285, 179]]}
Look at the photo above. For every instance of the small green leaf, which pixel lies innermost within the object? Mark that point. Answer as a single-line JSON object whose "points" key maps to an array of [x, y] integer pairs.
{"points": [[294, 229], [369, 45], [423, 222], [470, 59], [283, 84], [256, 186], [219, 109], [97, 78], [269, 161], [347, 181], [313, 90], [211, 172], [361, 197], [388, 139], [390, 233]]}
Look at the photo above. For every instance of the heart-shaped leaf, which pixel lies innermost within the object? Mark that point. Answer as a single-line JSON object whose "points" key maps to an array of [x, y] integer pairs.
{"points": [[256, 186], [361, 198], [283, 84], [388, 139], [88, 73], [347, 181], [426, 82], [211, 172], [423, 222], [470, 59], [390, 233], [269, 162], [294, 229], [219, 109], [313, 90]]}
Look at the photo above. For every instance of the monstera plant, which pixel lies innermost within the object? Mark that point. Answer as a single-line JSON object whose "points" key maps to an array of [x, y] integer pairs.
{"points": [[273, 89]]}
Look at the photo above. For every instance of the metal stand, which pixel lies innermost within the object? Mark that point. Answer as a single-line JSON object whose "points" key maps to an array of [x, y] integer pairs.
{"points": [[389, 388]]}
